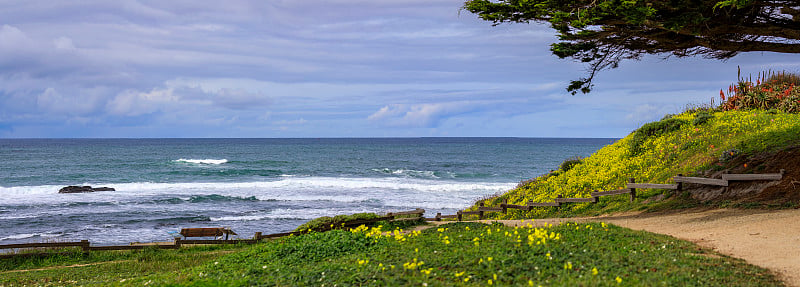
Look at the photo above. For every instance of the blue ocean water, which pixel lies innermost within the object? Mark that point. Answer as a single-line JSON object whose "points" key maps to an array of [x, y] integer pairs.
{"points": [[250, 185]]}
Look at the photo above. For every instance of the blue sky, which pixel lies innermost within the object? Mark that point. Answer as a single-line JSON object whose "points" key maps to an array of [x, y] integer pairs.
{"points": [[337, 68]]}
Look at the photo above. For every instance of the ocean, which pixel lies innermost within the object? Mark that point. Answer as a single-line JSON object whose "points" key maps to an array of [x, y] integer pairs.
{"points": [[250, 185]]}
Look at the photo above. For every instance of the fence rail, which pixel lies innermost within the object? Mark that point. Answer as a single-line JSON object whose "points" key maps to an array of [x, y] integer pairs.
{"points": [[701, 180], [45, 245], [86, 246], [652, 185], [611, 192], [762, 176], [630, 189]]}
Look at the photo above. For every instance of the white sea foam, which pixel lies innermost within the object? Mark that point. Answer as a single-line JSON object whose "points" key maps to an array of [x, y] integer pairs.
{"points": [[203, 161], [28, 235], [392, 191], [408, 172]]}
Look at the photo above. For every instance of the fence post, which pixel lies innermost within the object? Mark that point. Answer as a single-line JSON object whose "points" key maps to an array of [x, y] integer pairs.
{"points": [[85, 245], [438, 216], [178, 242], [680, 186], [257, 237], [459, 215], [503, 205], [595, 199], [633, 190], [480, 212]]}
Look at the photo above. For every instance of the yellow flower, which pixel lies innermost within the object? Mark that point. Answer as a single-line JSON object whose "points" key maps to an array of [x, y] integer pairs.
{"points": [[594, 271], [619, 280], [460, 274], [489, 281]]}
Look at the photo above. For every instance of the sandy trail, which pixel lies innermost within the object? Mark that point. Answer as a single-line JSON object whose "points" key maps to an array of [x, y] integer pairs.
{"points": [[766, 238]]}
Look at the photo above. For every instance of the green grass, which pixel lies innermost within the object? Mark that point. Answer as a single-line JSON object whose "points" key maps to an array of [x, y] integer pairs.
{"points": [[679, 144], [448, 256], [462, 254], [103, 267], [327, 222]]}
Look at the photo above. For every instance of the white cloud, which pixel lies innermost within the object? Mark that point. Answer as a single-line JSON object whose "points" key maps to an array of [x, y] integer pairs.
{"points": [[419, 115], [63, 43], [299, 121], [133, 103], [240, 99], [52, 101]]}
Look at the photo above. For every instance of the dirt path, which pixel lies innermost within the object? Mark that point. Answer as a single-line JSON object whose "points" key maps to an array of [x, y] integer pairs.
{"points": [[767, 238]]}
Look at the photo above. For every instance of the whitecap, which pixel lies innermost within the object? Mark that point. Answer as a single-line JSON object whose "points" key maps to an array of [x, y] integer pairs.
{"points": [[203, 161], [28, 235]]}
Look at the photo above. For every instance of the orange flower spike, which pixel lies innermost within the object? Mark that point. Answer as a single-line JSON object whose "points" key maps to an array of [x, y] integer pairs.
{"points": [[721, 95]]}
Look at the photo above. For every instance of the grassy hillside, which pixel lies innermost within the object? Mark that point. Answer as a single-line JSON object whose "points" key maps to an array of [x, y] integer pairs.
{"points": [[687, 143], [472, 254]]}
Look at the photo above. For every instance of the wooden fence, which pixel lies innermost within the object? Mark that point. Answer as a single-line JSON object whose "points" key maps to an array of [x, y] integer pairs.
{"points": [[630, 189], [86, 246]]}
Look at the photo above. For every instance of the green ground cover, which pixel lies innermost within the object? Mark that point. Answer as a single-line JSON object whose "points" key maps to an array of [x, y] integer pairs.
{"points": [[474, 254], [686, 143], [103, 267]]}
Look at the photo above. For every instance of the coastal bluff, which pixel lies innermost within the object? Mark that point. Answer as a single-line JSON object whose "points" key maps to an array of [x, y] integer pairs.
{"points": [[83, 189]]}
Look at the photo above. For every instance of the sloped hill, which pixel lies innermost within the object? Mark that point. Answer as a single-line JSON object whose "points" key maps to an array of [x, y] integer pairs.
{"points": [[696, 143]]}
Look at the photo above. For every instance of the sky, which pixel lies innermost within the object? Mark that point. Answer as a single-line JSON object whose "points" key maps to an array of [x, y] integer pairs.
{"points": [[336, 68]]}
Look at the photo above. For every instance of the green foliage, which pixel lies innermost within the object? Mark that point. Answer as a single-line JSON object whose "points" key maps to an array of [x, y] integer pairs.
{"points": [[104, 267], [653, 129], [469, 254], [454, 254], [569, 163], [770, 91], [701, 118], [604, 33], [327, 222], [662, 155]]}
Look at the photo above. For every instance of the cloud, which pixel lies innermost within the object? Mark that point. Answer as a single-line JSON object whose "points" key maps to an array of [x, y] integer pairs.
{"points": [[299, 121], [419, 115], [239, 99], [134, 103], [53, 102]]}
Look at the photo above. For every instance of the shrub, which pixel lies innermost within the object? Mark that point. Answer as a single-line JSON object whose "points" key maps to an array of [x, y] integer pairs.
{"points": [[569, 163], [653, 129], [770, 91], [784, 78], [327, 222], [701, 118]]}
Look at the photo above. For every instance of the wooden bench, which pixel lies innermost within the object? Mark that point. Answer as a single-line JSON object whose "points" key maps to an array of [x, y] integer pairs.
{"points": [[207, 232]]}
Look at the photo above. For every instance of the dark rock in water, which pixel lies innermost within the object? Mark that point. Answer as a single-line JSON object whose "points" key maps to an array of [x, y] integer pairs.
{"points": [[82, 189]]}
